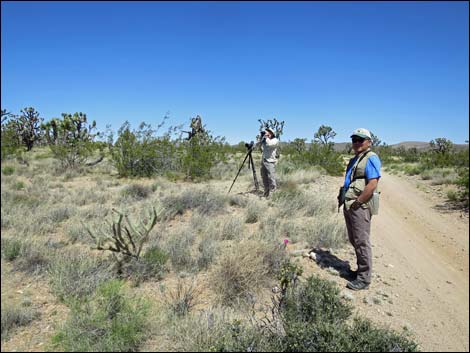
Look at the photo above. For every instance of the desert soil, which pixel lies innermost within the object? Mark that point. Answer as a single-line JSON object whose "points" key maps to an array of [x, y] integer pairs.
{"points": [[420, 281], [420, 263]]}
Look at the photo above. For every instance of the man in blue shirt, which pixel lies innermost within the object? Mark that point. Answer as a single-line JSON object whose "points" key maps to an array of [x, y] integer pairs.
{"points": [[361, 180]]}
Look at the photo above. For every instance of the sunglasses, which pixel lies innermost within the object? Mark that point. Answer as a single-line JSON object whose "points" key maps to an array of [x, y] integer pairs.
{"points": [[358, 139]]}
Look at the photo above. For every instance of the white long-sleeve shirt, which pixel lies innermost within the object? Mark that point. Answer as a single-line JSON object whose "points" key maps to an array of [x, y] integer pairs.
{"points": [[269, 147]]}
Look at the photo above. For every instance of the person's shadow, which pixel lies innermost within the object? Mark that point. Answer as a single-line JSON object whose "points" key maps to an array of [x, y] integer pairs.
{"points": [[326, 259]]}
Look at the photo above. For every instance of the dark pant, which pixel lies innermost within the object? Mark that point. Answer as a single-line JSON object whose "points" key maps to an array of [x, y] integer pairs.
{"points": [[358, 226]]}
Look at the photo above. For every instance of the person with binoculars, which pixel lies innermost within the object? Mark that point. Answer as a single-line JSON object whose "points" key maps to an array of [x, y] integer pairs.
{"points": [[269, 144]]}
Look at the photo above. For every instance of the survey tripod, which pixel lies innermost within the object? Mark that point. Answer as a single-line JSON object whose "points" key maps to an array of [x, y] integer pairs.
{"points": [[251, 165]]}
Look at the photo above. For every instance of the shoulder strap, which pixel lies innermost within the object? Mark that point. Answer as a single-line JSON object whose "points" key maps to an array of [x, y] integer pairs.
{"points": [[356, 164]]}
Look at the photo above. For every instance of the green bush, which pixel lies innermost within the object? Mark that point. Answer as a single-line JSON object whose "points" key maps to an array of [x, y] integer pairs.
{"points": [[71, 139], [463, 182], [200, 154], [8, 170], [109, 321], [309, 317], [11, 248], [151, 265], [322, 155], [139, 153]]}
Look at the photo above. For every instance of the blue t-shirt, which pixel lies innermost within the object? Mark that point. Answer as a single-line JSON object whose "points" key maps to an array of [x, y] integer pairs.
{"points": [[372, 169]]}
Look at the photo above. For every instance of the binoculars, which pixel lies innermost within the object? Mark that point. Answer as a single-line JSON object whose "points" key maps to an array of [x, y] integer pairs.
{"points": [[249, 145]]}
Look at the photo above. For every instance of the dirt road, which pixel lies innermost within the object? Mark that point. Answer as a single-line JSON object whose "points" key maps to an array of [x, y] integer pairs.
{"points": [[421, 260]]}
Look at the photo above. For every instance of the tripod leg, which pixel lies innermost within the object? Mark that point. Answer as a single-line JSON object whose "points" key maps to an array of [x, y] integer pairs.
{"points": [[243, 163], [254, 173]]}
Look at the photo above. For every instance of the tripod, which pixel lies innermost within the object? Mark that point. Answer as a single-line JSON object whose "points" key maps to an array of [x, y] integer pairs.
{"points": [[250, 166]]}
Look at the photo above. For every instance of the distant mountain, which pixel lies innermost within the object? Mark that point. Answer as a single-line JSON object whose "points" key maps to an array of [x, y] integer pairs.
{"points": [[419, 145]]}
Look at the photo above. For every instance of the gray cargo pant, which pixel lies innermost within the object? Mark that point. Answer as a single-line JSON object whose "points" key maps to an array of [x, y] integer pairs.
{"points": [[358, 226], [268, 174]]}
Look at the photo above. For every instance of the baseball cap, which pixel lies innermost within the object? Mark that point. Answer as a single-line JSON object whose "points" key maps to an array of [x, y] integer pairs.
{"points": [[361, 132]]}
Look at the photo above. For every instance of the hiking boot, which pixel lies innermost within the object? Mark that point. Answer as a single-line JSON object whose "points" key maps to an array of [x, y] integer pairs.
{"points": [[357, 285]]}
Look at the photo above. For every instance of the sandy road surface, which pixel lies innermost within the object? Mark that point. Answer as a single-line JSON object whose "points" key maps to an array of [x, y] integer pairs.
{"points": [[425, 253]]}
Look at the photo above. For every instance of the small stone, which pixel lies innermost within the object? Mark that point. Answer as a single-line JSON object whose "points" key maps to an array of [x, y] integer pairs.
{"points": [[347, 296]]}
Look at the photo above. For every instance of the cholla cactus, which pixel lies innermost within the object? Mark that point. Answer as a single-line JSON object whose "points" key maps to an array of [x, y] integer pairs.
{"points": [[126, 241]]}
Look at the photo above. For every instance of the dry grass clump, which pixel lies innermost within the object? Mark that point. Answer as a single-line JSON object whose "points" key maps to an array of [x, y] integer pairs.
{"points": [[184, 297], [135, 192], [254, 211], [26, 255], [299, 176], [240, 272], [206, 202], [326, 232], [14, 315], [232, 227], [73, 275]]}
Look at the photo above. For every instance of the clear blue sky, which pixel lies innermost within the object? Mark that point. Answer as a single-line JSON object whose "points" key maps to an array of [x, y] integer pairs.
{"points": [[400, 69]]}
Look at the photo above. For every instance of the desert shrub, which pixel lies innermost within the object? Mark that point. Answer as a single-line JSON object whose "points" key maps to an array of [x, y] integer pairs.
{"points": [[306, 317], [156, 258], [200, 154], [27, 256], [183, 298], [217, 329], [178, 246], [71, 139], [141, 153], [463, 182], [321, 155], [16, 315], [207, 252], [254, 211], [240, 272], [413, 169], [89, 196], [136, 191], [237, 200], [314, 302], [76, 232], [76, 275], [232, 227], [11, 248], [60, 214], [8, 170], [270, 227], [206, 202], [152, 265], [326, 232], [109, 321], [10, 140]]}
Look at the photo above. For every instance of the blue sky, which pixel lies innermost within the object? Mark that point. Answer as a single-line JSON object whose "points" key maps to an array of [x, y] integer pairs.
{"points": [[400, 69]]}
